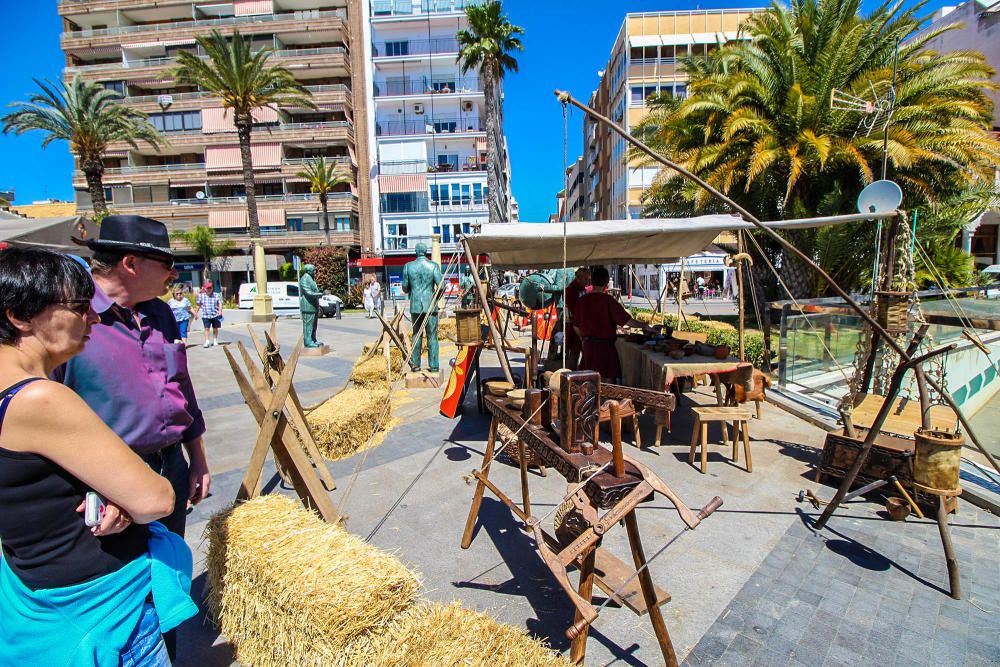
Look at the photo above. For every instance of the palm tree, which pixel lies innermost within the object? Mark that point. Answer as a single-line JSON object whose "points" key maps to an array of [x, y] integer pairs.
{"points": [[244, 82], [486, 47], [759, 125], [89, 117], [323, 177], [201, 239]]}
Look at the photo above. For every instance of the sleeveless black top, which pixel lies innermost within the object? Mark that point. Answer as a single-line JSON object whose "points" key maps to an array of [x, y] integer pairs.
{"points": [[45, 541]]}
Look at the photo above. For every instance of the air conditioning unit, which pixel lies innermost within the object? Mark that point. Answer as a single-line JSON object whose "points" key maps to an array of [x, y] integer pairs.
{"points": [[466, 106], [418, 108]]}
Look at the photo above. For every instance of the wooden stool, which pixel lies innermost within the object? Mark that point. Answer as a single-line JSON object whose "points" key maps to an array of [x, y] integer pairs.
{"points": [[629, 416], [740, 417]]}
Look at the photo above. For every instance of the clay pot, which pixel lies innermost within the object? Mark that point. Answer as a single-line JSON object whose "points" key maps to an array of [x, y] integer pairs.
{"points": [[675, 345], [722, 352], [677, 353], [688, 349], [897, 508]]}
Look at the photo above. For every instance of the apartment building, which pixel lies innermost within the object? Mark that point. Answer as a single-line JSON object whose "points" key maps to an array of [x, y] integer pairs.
{"points": [[975, 26], [570, 200], [644, 62], [428, 162], [196, 179]]}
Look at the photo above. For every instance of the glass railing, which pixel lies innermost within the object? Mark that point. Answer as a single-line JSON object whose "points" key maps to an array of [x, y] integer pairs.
{"points": [[197, 95], [404, 8], [425, 86], [439, 125], [204, 23], [206, 201], [414, 47]]}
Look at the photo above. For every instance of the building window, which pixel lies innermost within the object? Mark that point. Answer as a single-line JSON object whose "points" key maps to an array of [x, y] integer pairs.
{"points": [[176, 121], [447, 162], [399, 48], [404, 202], [477, 193], [293, 224], [117, 86]]}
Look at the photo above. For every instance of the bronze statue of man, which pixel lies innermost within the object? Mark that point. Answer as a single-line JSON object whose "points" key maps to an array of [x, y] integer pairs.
{"points": [[421, 279], [309, 294]]}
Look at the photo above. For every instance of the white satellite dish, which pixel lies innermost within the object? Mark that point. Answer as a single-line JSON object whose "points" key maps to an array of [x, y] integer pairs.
{"points": [[199, 195], [880, 197]]}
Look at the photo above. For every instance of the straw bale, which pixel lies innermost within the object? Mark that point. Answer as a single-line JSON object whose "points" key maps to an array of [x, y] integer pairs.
{"points": [[437, 635], [447, 328], [373, 371], [289, 589], [346, 423]]}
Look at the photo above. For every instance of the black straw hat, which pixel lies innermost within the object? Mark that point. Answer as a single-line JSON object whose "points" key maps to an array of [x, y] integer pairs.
{"points": [[131, 234]]}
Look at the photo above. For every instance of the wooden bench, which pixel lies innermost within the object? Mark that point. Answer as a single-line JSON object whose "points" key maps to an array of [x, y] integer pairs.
{"points": [[740, 418]]}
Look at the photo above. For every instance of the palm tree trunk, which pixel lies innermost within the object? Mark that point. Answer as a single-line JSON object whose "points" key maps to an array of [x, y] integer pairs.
{"points": [[243, 126], [326, 216], [492, 159], [93, 170]]}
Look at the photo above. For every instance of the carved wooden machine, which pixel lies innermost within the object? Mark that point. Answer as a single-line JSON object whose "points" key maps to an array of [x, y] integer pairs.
{"points": [[605, 487]]}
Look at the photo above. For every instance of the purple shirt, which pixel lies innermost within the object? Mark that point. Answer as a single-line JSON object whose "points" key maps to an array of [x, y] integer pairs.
{"points": [[135, 377]]}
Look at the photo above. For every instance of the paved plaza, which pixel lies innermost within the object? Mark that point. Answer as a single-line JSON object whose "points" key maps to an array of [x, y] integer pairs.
{"points": [[754, 584]]}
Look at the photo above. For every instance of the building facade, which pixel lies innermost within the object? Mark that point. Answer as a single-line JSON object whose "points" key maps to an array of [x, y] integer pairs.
{"points": [[196, 178], [644, 62], [428, 163], [977, 28]]}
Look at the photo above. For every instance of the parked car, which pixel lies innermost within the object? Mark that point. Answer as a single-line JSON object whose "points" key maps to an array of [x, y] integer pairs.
{"points": [[285, 296]]}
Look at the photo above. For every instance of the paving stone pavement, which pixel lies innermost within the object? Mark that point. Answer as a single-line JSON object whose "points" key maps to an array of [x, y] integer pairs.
{"points": [[865, 591]]}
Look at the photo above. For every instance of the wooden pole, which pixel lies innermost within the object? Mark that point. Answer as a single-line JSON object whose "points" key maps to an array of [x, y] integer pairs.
{"points": [[740, 249], [680, 296], [484, 304], [878, 330]]}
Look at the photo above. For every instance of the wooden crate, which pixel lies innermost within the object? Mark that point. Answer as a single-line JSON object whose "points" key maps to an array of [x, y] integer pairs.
{"points": [[889, 456], [467, 328]]}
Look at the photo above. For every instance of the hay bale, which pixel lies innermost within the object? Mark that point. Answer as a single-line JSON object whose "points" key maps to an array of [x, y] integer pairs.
{"points": [[373, 371], [447, 328], [288, 588], [436, 635], [345, 424]]}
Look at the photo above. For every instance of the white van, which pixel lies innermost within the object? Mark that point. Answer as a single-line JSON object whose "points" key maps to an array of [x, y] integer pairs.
{"points": [[283, 294]]}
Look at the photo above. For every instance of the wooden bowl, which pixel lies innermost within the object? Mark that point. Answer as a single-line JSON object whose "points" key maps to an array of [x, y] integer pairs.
{"points": [[897, 508], [677, 353], [499, 387]]}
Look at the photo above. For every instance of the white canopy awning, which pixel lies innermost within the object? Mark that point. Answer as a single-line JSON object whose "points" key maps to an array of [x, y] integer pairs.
{"points": [[644, 40], [647, 241], [49, 233]]}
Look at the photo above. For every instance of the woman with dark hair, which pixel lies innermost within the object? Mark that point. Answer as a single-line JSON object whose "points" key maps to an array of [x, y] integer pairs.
{"points": [[74, 593]]}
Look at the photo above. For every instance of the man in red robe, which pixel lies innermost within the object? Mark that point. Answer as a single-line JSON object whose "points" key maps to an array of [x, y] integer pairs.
{"points": [[574, 290], [596, 320]]}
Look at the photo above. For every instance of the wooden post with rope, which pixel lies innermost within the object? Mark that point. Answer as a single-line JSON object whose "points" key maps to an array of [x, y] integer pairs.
{"points": [[270, 407], [497, 339]]}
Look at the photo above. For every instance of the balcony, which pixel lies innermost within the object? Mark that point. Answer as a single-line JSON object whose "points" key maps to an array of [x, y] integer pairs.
{"points": [[176, 29], [336, 131], [331, 93], [404, 8], [337, 201], [457, 207], [153, 174], [286, 57], [406, 48], [448, 125], [423, 86]]}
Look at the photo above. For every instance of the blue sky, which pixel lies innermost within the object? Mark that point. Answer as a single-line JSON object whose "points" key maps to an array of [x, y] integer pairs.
{"points": [[566, 44]]}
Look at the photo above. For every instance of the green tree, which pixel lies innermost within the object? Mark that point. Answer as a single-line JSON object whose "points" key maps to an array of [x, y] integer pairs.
{"points": [[486, 46], [323, 177], [759, 125], [244, 82], [331, 270], [89, 117], [202, 241]]}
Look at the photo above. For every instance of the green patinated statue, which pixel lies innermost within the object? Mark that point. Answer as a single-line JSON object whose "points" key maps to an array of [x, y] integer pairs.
{"points": [[467, 286], [421, 278], [309, 294]]}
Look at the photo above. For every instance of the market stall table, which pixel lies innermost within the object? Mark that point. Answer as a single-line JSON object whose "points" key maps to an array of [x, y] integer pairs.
{"points": [[645, 368]]}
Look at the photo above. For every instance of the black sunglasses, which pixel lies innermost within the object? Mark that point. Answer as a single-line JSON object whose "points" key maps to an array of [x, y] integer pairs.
{"points": [[165, 262], [78, 306]]}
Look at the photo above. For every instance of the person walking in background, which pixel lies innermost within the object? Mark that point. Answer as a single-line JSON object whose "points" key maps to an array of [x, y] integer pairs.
{"points": [[368, 299], [210, 311], [376, 288], [73, 592], [181, 308], [131, 373]]}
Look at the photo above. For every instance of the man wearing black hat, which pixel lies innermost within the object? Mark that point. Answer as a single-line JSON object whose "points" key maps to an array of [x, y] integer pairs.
{"points": [[133, 371]]}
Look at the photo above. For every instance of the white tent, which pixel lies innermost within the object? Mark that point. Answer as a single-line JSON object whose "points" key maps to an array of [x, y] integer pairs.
{"points": [[648, 241], [49, 233]]}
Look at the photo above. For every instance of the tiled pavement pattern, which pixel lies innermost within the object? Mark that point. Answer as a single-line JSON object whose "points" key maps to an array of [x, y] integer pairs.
{"points": [[865, 591]]}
